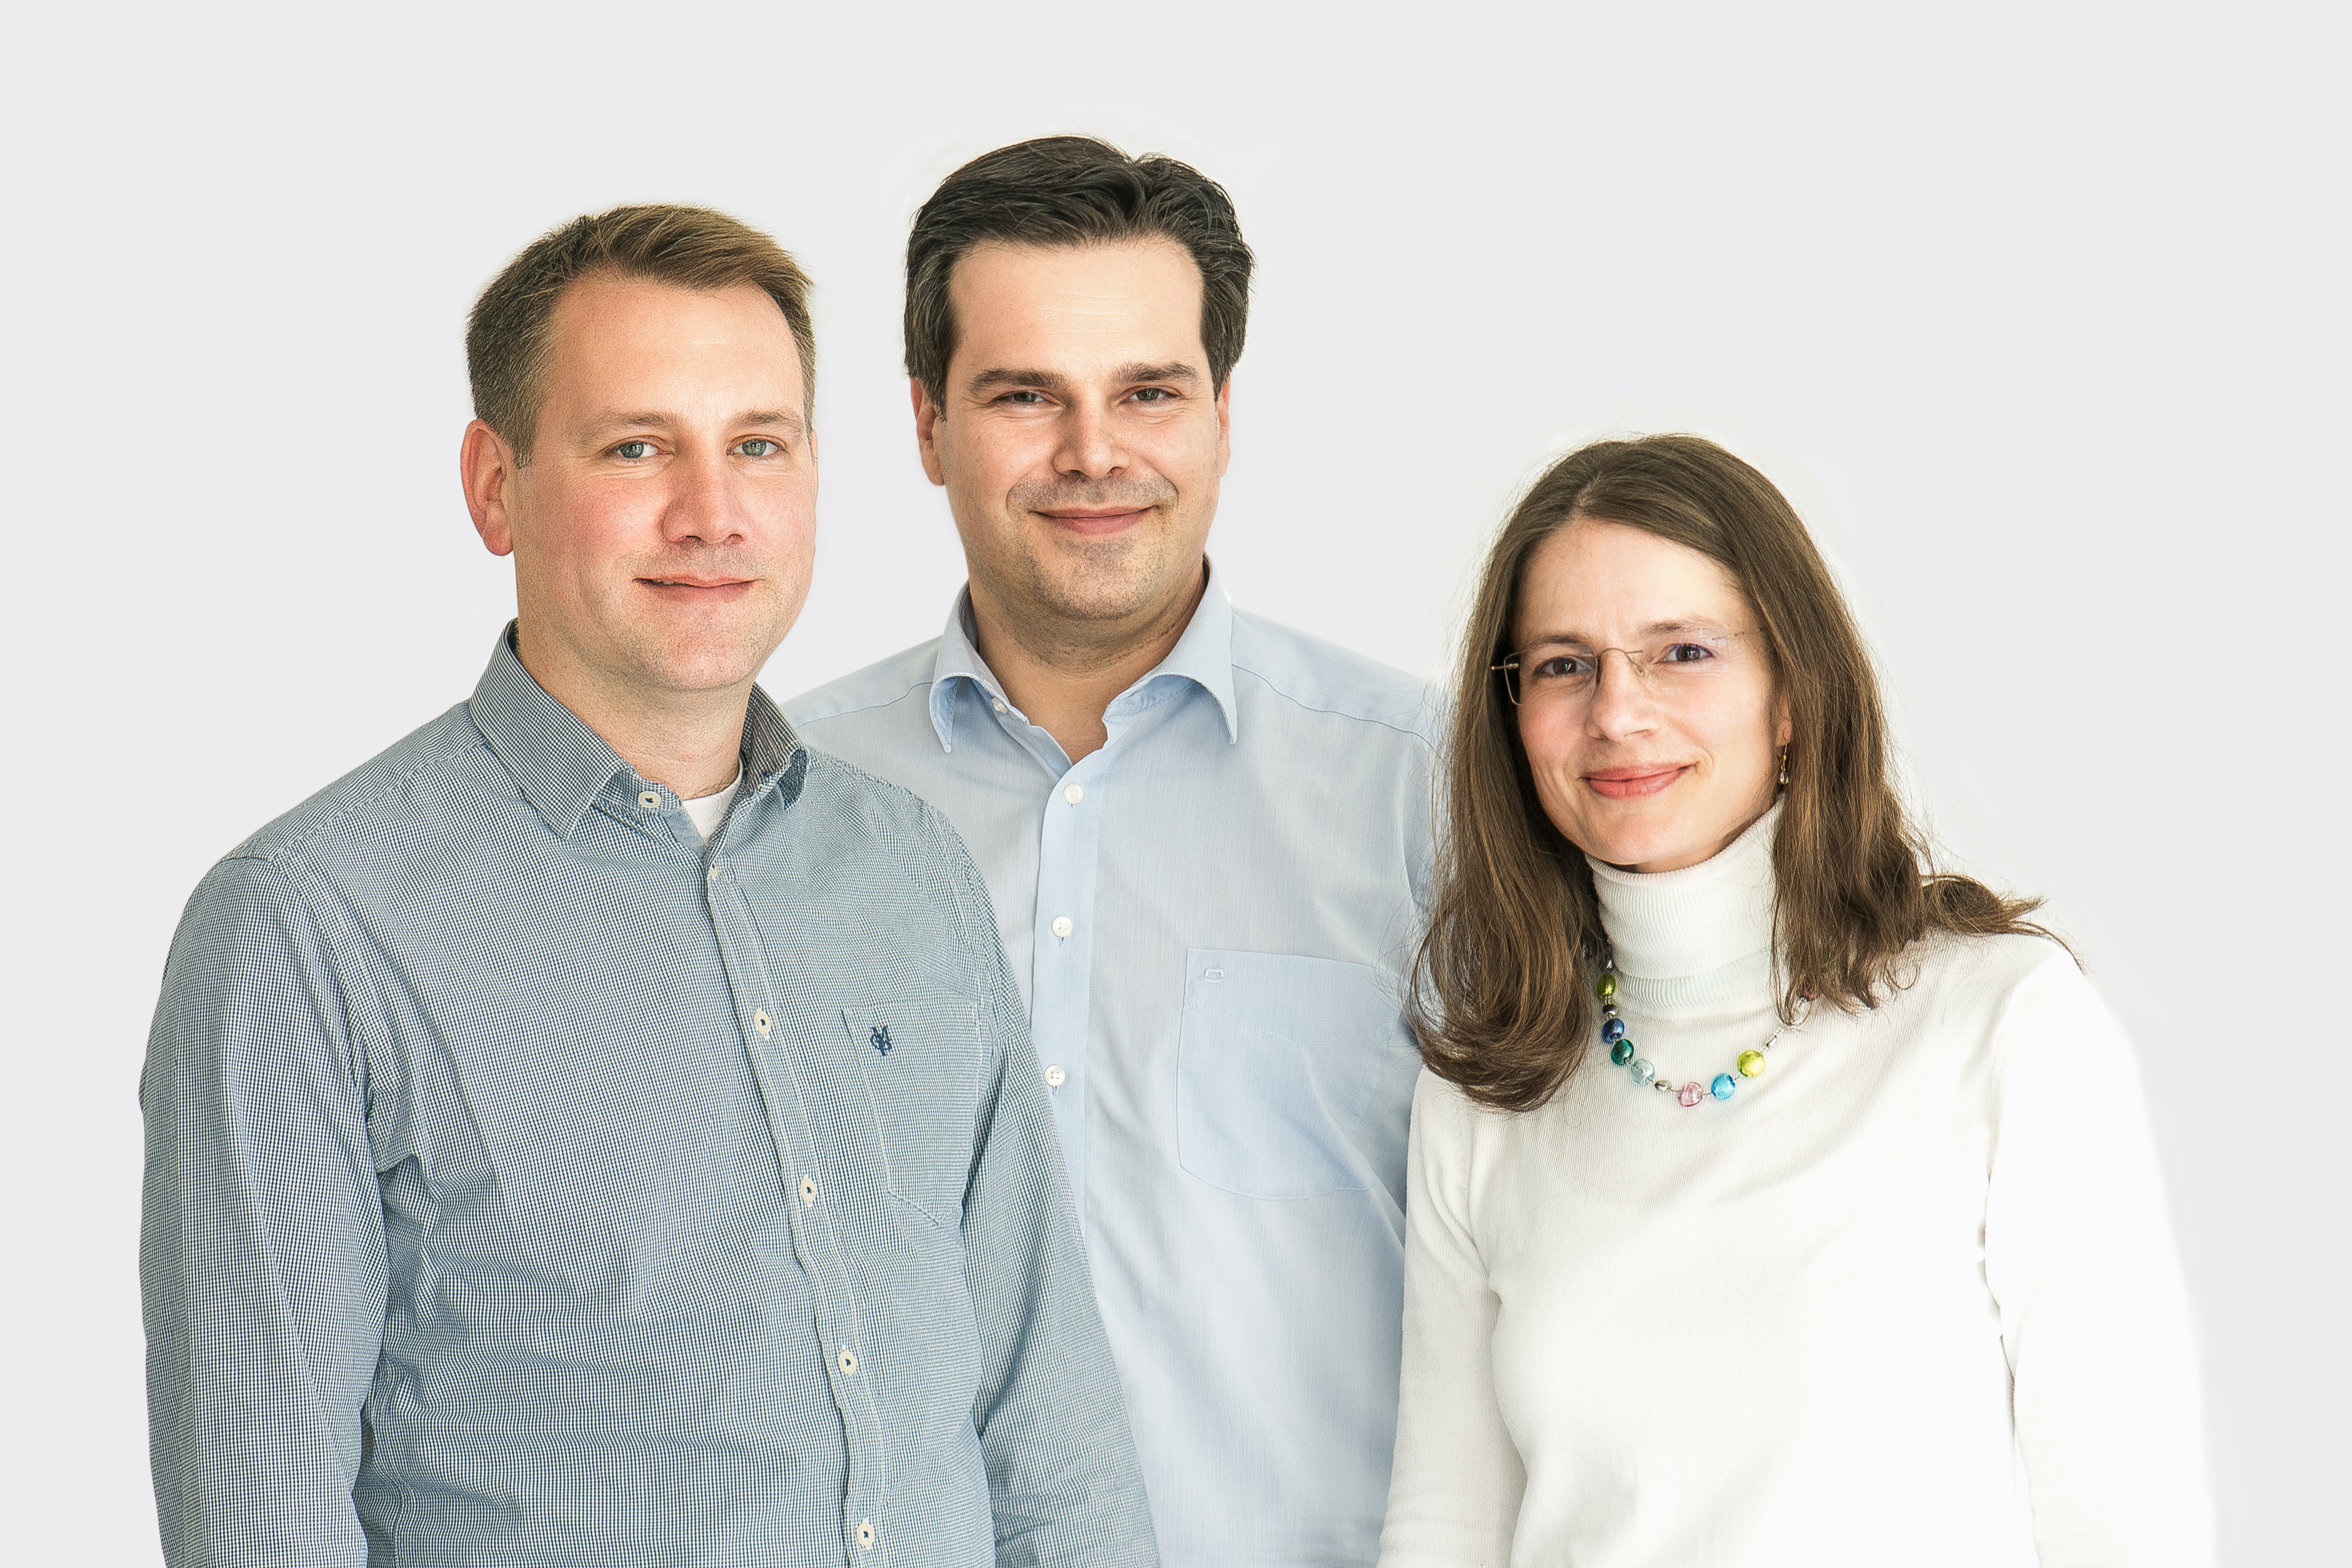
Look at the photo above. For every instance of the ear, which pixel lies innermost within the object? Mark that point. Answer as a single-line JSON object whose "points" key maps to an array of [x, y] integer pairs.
{"points": [[1782, 728], [1225, 424], [486, 464], [927, 425]]}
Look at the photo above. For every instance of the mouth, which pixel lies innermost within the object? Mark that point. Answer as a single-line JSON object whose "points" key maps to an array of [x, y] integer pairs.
{"points": [[1095, 522], [1633, 782], [687, 588]]}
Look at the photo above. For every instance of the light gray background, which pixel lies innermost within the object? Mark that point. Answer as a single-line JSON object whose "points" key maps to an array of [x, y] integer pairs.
{"points": [[2036, 311]]}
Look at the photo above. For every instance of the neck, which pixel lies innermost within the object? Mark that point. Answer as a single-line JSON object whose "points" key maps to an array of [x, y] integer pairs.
{"points": [[690, 741], [1063, 673]]}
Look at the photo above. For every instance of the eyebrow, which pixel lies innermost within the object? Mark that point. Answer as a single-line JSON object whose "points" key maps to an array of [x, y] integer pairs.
{"points": [[1655, 629], [1047, 381], [606, 424]]}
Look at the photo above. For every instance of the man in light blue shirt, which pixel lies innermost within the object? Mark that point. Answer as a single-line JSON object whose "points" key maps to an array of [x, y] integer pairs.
{"points": [[602, 1130], [1205, 835]]}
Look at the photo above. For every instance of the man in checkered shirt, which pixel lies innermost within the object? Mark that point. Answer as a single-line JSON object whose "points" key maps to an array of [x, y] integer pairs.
{"points": [[601, 1130]]}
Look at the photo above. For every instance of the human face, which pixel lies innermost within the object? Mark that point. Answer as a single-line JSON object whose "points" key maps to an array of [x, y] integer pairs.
{"points": [[664, 528], [1077, 434], [1649, 778]]}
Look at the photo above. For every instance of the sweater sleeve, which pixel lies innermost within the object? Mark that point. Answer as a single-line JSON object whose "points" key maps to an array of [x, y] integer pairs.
{"points": [[2079, 1255], [1453, 1496]]}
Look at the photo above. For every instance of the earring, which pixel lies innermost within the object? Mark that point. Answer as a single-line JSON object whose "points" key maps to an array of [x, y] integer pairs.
{"points": [[1784, 764]]}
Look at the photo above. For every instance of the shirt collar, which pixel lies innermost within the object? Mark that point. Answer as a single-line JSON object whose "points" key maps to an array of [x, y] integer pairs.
{"points": [[1203, 654], [561, 765]]}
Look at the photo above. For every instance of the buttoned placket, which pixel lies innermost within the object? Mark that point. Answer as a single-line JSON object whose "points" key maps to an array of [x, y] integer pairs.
{"points": [[770, 1039], [1061, 972]]}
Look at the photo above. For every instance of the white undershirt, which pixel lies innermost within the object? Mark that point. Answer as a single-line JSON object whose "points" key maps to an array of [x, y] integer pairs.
{"points": [[706, 810], [1846, 1317]]}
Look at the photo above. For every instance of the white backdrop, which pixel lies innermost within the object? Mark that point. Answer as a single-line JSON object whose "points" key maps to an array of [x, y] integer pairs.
{"points": [[2037, 310]]}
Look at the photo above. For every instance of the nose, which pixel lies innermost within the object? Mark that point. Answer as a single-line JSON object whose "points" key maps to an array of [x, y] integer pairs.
{"points": [[701, 502], [1621, 704], [1089, 446]]}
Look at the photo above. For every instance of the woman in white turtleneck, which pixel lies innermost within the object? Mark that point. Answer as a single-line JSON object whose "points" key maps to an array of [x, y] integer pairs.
{"points": [[1773, 1200]]}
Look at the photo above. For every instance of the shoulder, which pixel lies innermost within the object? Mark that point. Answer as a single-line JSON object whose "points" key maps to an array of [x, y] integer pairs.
{"points": [[2015, 998], [879, 685], [450, 746], [900, 833], [1309, 673], [1992, 975]]}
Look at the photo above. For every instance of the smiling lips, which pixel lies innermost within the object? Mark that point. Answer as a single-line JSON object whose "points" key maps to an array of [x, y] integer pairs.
{"points": [[1093, 522], [1633, 782], [695, 589]]}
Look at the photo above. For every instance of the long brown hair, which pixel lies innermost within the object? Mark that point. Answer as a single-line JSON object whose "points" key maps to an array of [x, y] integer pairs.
{"points": [[1502, 991]]}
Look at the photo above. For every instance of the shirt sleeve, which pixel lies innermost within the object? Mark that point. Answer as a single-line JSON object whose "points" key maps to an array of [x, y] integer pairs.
{"points": [[1063, 1480], [261, 1251], [1453, 1496], [2079, 1255]]}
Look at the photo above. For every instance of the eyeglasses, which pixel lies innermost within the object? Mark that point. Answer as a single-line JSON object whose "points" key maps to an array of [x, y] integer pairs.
{"points": [[1677, 665]]}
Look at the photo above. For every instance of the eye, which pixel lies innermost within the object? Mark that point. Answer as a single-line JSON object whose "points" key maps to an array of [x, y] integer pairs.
{"points": [[759, 447], [633, 451], [1560, 667], [1685, 653], [1154, 394], [1024, 399]]}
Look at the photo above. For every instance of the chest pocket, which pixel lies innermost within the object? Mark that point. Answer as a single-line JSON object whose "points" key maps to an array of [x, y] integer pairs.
{"points": [[1292, 1076], [921, 1052]]}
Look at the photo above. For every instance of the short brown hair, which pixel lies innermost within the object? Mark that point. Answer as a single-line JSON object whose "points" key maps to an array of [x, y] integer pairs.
{"points": [[1066, 191], [1502, 991], [693, 247]]}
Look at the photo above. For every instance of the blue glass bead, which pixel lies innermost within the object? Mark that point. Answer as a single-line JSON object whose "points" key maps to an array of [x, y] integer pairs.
{"points": [[1613, 1030], [1723, 1085], [1622, 1052], [1643, 1071]]}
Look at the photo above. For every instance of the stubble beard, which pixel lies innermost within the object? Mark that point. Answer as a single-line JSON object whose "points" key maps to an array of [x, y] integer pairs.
{"points": [[1088, 582]]}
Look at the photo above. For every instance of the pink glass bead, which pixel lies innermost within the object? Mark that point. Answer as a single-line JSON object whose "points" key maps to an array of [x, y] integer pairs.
{"points": [[1691, 1094]]}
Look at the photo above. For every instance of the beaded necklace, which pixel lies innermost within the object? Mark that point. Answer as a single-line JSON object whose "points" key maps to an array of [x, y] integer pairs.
{"points": [[1645, 1073]]}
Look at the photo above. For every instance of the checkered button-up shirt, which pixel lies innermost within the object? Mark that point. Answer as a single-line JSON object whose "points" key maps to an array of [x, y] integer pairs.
{"points": [[530, 1181]]}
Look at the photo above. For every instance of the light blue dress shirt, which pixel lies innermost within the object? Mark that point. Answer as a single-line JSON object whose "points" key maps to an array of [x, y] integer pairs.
{"points": [[530, 1181], [1210, 916]]}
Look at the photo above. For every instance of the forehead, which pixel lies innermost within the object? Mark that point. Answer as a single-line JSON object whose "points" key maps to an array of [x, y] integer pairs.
{"points": [[1076, 303], [1601, 581], [654, 345]]}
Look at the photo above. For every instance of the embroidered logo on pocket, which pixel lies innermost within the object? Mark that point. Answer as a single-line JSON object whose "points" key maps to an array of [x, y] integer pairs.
{"points": [[879, 1036]]}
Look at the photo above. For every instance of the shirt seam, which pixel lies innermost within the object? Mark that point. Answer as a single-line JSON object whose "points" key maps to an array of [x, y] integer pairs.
{"points": [[1305, 707], [888, 702], [307, 835]]}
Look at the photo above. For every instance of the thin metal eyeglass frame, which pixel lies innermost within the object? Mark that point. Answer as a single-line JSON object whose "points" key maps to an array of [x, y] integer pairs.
{"points": [[1509, 668]]}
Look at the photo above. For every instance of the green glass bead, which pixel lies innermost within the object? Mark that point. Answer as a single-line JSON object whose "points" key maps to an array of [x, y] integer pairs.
{"points": [[1752, 1063], [1622, 1052], [1608, 986]]}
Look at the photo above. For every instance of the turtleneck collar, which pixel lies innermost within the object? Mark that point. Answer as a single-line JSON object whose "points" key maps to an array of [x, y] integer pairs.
{"points": [[1700, 936]]}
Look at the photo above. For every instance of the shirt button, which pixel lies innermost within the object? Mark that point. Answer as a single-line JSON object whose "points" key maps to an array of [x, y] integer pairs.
{"points": [[711, 875], [847, 1361], [650, 801], [997, 703], [1061, 926], [808, 1191], [1074, 794], [1054, 1077], [866, 1533], [761, 1022]]}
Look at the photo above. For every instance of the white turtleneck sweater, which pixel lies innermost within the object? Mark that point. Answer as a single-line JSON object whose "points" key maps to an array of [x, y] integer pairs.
{"points": [[1908, 1298]]}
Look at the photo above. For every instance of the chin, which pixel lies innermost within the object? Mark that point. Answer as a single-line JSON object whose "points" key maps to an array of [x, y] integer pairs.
{"points": [[707, 663]]}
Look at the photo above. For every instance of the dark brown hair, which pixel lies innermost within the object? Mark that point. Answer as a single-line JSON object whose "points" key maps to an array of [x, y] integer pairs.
{"points": [[1074, 190], [507, 338], [1502, 991]]}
